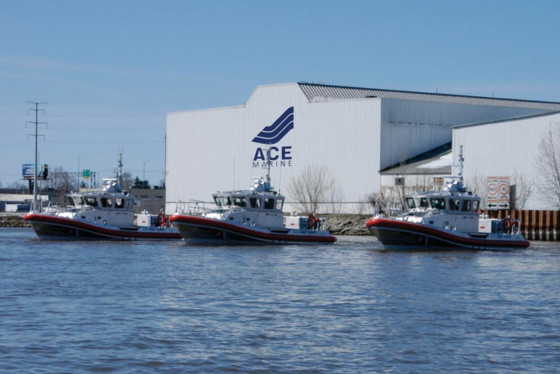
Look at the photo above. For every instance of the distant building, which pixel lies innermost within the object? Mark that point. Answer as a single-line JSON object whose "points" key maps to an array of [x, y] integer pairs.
{"points": [[361, 135], [12, 201], [151, 200]]}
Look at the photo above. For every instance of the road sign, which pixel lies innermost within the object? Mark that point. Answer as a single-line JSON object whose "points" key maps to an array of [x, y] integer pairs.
{"points": [[497, 193], [86, 174]]}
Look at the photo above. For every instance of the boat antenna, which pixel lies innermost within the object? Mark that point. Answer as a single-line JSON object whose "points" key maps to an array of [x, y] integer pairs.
{"points": [[461, 163], [268, 164], [119, 170]]}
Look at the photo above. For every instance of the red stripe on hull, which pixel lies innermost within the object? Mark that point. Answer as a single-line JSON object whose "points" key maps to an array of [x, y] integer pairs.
{"points": [[47, 226], [250, 234], [387, 229]]}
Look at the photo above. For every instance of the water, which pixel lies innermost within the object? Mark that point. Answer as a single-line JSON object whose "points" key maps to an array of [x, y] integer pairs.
{"points": [[145, 307]]}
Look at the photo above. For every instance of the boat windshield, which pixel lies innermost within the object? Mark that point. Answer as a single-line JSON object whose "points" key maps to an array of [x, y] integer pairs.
{"points": [[255, 202], [454, 204], [410, 203], [217, 201], [239, 201], [91, 200], [437, 203], [76, 200], [475, 205], [226, 201], [106, 202], [269, 203]]}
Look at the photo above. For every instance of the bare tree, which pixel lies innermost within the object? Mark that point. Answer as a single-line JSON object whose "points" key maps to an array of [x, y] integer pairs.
{"points": [[126, 181], [548, 166], [478, 186], [311, 189], [521, 189], [62, 180]]}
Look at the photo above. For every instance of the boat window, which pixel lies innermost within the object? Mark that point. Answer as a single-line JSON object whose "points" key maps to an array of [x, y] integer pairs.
{"points": [[279, 204], [410, 203], [217, 201], [129, 203], [239, 201], [119, 203], [475, 205], [454, 204], [423, 202], [76, 201], [106, 202], [466, 206], [90, 200], [437, 203], [269, 203], [226, 201], [255, 202]]}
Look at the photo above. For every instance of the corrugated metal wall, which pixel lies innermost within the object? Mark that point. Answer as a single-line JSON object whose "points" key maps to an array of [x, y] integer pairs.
{"points": [[507, 148], [211, 150]]}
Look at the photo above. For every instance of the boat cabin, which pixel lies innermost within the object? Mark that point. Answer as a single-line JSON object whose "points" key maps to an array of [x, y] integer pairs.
{"points": [[250, 200], [261, 196], [450, 203], [101, 201]]}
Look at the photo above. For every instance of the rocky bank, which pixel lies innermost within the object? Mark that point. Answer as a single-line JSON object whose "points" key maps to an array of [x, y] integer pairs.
{"points": [[342, 224], [13, 221]]}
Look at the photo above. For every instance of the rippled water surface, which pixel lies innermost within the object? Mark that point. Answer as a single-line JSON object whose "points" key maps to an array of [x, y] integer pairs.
{"points": [[144, 307]]}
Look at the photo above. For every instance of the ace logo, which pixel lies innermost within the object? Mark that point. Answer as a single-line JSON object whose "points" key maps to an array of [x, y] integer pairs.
{"points": [[278, 156]]}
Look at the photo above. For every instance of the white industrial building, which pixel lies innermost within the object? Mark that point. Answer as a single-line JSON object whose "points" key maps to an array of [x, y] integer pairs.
{"points": [[509, 148], [353, 133]]}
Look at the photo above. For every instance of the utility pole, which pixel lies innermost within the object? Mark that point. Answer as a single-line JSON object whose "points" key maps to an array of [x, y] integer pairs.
{"points": [[36, 135]]}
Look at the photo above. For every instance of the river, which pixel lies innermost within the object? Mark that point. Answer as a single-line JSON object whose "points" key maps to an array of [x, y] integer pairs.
{"points": [[351, 307]]}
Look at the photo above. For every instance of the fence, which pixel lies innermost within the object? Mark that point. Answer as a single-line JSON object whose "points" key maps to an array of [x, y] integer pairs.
{"points": [[534, 224]]}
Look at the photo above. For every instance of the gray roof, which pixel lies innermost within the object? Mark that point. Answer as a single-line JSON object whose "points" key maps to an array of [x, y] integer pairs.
{"points": [[321, 92]]}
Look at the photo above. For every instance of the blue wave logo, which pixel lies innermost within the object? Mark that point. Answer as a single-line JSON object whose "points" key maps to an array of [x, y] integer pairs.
{"points": [[274, 133]]}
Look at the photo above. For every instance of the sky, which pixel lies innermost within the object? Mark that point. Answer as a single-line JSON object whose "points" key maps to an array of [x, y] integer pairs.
{"points": [[109, 71]]}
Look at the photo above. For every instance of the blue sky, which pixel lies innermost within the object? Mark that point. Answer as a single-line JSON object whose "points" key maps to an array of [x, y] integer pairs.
{"points": [[111, 70]]}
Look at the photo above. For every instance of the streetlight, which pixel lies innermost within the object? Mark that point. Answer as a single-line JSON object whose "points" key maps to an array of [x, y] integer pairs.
{"points": [[79, 158], [144, 172]]}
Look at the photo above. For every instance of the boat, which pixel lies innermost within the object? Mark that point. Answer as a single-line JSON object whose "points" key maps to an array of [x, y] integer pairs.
{"points": [[446, 219], [101, 215], [252, 216]]}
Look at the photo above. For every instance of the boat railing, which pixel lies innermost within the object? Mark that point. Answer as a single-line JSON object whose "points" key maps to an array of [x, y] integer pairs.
{"points": [[193, 207]]}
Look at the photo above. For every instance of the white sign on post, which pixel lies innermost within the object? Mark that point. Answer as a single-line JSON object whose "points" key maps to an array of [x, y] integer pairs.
{"points": [[497, 193]]}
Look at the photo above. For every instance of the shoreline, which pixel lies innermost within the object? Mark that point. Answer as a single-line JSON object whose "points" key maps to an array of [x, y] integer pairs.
{"points": [[342, 224]]}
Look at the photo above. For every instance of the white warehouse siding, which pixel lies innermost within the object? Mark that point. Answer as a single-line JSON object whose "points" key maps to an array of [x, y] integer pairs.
{"points": [[506, 148], [345, 129]]}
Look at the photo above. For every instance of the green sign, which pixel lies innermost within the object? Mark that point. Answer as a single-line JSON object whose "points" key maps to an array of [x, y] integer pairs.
{"points": [[86, 173]]}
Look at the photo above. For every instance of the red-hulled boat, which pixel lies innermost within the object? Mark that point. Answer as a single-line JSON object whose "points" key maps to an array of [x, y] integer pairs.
{"points": [[104, 215], [251, 216], [446, 219]]}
